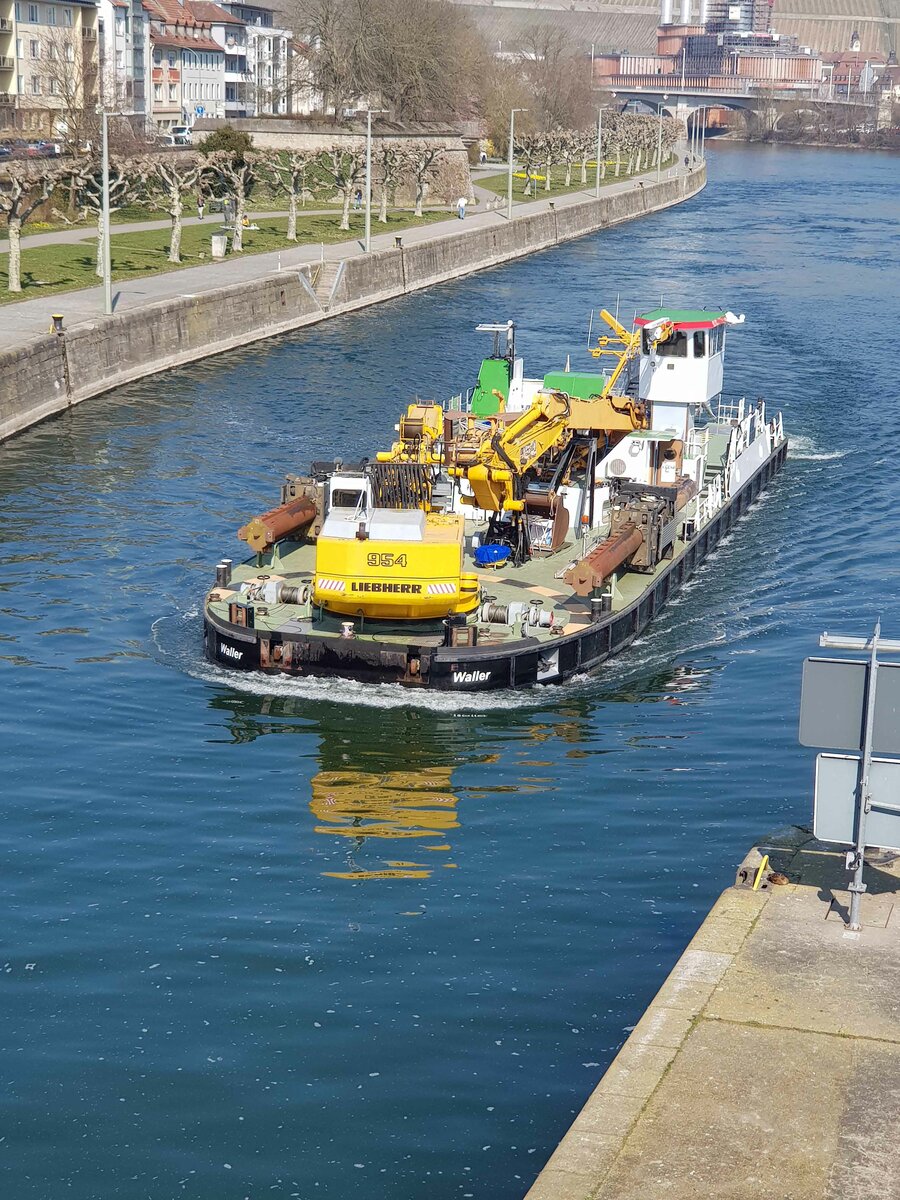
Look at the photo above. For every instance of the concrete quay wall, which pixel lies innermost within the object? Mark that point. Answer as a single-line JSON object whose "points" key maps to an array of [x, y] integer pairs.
{"points": [[51, 373]]}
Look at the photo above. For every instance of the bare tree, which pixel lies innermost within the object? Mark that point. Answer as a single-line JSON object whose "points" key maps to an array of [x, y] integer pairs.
{"points": [[336, 32], [87, 183], [559, 81], [67, 67], [423, 156], [345, 169], [26, 187], [237, 175], [167, 177], [529, 147], [286, 171], [394, 163]]}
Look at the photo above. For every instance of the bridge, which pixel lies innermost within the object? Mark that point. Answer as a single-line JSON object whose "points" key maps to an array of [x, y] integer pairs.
{"points": [[682, 98]]}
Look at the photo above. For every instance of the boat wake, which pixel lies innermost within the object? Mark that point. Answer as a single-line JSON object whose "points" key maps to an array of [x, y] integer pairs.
{"points": [[806, 450], [178, 641]]}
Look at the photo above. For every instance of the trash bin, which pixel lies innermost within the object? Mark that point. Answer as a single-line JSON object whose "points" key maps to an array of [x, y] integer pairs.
{"points": [[219, 245]]}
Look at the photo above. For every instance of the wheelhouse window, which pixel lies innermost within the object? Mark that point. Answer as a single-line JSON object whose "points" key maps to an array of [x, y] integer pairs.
{"points": [[675, 346], [700, 343]]}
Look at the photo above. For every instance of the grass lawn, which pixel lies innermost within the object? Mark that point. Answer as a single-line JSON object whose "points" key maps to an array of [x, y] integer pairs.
{"points": [[499, 183], [68, 266]]}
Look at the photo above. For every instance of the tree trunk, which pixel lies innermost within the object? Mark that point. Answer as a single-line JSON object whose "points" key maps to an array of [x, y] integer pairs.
{"points": [[618, 161], [175, 241], [15, 255], [602, 166], [237, 235], [420, 195], [99, 271], [292, 218], [584, 163], [568, 172], [547, 169], [382, 211], [345, 211]]}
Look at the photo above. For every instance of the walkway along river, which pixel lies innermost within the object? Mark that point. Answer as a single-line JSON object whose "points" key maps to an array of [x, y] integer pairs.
{"points": [[288, 940]]}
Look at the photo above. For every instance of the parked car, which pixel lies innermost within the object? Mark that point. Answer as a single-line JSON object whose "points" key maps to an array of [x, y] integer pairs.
{"points": [[5, 152]]}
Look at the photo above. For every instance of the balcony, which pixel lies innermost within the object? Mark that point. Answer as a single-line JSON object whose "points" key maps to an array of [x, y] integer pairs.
{"points": [[7, 64], [5, 25], [89, 35], [5, 98]]}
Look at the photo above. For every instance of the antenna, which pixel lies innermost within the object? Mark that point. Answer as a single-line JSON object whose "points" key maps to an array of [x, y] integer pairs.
{"points": [[617, 304], [590, 328]]}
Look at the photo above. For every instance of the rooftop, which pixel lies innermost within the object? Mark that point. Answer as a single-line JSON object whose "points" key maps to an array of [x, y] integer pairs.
{"points": [[687, 318]]}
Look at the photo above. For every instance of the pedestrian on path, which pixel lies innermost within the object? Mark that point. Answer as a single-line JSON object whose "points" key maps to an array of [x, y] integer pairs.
{"points": [[357, 200], [201, 205], [461, 206]]}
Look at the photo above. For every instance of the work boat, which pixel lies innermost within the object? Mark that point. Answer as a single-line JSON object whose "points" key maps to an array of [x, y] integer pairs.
{"points": [[515, 535]]}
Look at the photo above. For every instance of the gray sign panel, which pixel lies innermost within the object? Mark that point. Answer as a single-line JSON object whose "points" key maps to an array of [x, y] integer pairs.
{"points": [[834, 811], [833, 700]]}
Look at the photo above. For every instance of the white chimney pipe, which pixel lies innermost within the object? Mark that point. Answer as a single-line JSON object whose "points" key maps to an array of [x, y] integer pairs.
{"points": [[704, 12], [665, 11], [685, 12]]}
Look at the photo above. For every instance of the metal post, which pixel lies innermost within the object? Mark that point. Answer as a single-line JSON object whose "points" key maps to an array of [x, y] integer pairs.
{"points": [[864, 801], [107, 261], [659, 148], [368, 181], [512, 130], [599, 150], [703, 136]]}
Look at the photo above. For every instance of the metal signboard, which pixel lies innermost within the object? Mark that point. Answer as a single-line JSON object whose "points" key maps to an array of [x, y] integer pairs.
{"points": [[832, 705], [836, 800]]}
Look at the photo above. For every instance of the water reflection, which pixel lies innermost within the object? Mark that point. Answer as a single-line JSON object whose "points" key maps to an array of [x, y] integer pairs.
{"points": [[365, 807], [385, 795]]}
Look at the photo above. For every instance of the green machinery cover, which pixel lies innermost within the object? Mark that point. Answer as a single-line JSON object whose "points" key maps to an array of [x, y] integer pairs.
{"points": [[493, 376]]}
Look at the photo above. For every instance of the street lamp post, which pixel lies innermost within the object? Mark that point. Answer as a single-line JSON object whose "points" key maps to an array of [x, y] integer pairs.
{"points": [[107, 260], [659, 147], [369, 114], [599, 149], [512, 137]]}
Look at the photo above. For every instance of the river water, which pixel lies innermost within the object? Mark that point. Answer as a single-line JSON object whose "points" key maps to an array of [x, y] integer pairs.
{"points": [[303, 940]]}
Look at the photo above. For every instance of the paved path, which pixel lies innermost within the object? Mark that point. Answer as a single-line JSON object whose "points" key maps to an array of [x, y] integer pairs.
{"points": [[213, 220], [30, 318], [769, 1063]]}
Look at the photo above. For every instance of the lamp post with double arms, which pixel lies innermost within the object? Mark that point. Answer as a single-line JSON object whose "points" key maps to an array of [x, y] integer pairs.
{"points": [[369, 114], [512, 138]]}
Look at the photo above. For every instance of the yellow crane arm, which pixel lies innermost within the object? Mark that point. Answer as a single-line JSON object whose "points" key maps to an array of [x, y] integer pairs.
{"points": [[421, 432], [509, 452]]}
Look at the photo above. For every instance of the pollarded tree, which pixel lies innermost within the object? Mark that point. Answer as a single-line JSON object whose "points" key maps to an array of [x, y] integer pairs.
{"points": [[528, 148], [394, 163], [236, 173], [167, 178], [423, 157], [345, 170], [125, 178], [26, 187], [287, 171]]}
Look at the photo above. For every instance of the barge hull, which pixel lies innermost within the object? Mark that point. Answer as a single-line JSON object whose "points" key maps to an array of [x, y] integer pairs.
{"points": [[522, 664]]}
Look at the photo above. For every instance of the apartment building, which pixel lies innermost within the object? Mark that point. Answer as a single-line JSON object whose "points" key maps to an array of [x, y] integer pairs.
{"points": [[49, 67], [267, 79], [187, 71]]}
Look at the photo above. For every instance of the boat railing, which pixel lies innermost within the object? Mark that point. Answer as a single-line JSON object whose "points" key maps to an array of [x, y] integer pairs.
{"points": [[730, 409], [711, 500], [776, 427], [696, 444]]}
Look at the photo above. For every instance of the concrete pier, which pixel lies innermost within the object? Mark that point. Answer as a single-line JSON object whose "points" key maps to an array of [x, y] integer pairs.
{"points": [[769, 1062]]}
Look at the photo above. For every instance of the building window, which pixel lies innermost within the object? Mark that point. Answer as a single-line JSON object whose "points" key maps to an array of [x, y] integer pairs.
{"points": [[34, 48], [173, 92], [51, 14], [54, 87], [20, 50], [19, 17], [120, 60], [70, 53], [67, 17], [171, 58], [35, 85], [32, 14], [157, 92], [157, 58]]}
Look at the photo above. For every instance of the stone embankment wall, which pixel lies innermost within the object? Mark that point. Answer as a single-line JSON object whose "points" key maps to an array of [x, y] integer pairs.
{"points": [[51, 373]]}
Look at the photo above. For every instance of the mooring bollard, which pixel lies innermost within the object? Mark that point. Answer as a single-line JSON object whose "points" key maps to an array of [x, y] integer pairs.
{"points": [[398, 243], [57, 326]]}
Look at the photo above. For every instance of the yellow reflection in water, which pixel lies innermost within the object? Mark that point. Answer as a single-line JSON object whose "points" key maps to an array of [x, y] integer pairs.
{"points": [[362, 805]]}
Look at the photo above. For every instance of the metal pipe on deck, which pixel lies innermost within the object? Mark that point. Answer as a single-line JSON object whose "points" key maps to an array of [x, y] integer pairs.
{"points": [[264, 531], [597, 566]]}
